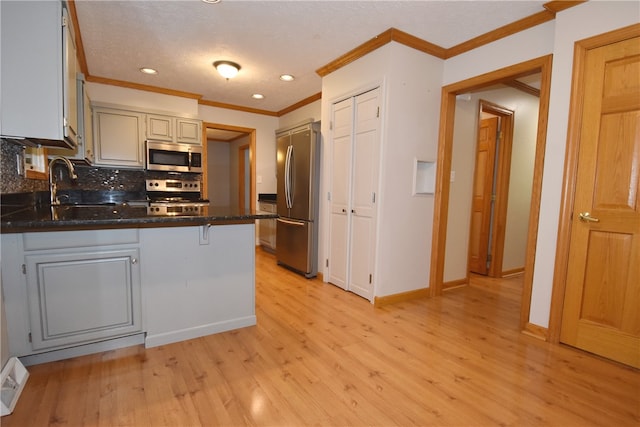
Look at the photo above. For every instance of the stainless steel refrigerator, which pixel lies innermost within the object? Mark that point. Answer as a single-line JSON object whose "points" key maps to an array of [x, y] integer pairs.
{"points": [[298, 167]]}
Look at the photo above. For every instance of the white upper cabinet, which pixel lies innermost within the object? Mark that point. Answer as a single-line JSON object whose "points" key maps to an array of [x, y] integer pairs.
{"points": [[188, 131], [118, 137], [174, 129], [38, 74], [160, 128]]}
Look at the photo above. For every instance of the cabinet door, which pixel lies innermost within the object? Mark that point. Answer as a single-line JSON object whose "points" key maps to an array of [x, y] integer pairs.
{"points": [[118, 137], [70, 64], [87, 127], [188, 131], [160, 128], [82, 297], [34, 72]]}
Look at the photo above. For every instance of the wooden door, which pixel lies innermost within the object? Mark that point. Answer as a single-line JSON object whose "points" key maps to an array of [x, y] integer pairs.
{"points": [[482, 196], [602, 297]]}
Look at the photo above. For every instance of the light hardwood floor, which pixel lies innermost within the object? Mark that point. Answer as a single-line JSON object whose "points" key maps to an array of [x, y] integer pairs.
{"points": [[324, 357]]}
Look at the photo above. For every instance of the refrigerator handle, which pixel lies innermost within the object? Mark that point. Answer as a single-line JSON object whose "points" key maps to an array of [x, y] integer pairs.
{"points": [[292, 177], [287, 221], [287, 177]]}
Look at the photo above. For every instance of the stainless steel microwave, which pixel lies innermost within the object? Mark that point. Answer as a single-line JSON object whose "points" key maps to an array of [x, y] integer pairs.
{"points": [[163, 156]]}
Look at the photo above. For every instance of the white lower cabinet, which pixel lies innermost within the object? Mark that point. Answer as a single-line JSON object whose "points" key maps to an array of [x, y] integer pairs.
{"points": [[267, 231], [65, 290], [82, 296]]}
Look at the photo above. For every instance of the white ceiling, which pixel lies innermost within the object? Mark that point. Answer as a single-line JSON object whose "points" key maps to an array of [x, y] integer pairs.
{"points": [[181, 39]]}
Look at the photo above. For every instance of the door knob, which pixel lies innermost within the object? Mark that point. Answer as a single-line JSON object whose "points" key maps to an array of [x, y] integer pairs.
{"points": [[586, 217]]}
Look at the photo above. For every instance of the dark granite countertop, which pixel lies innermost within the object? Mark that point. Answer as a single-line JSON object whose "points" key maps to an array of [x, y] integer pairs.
{"points": [[41, 217]]}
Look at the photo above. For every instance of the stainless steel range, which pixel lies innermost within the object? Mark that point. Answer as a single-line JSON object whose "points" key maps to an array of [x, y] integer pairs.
{"points": [[175, 197]]}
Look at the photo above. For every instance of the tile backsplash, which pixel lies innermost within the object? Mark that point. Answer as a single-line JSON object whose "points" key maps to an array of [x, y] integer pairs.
{"points": [[89, 177]]}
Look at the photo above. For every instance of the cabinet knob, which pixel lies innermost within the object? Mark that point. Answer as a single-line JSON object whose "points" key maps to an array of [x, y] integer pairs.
{"points": [[134, 260], [344, 211]]}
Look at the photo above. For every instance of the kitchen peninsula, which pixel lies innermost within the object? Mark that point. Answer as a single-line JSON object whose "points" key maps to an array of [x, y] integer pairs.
{"points": [[84, 278]]}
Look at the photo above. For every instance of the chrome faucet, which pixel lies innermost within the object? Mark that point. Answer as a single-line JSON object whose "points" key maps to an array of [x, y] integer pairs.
{"points": [[53, 188]]}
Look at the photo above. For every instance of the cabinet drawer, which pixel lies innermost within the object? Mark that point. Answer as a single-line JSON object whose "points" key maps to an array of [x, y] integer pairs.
{"points": [[74, 239]]}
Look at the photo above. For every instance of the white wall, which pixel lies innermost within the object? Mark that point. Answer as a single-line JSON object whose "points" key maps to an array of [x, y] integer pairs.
{"points": [[525, 109], [309, 111], [410, 107], [145, 100], [219, 173], [557, 37]]}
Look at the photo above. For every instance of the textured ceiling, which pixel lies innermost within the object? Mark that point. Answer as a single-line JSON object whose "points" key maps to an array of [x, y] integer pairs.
{"points": [[181, 39]]}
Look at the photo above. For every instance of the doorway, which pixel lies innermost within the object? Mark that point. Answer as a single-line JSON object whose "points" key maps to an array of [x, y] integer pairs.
{"points": [[229, 178], [509, 75], [490, 189]]}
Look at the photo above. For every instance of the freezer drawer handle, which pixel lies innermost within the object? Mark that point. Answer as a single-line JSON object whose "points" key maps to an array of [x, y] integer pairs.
{"points": [[286, 221]]}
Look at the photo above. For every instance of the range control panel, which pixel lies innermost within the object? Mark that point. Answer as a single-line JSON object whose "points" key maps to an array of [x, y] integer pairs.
{"points": [[173, 185]]}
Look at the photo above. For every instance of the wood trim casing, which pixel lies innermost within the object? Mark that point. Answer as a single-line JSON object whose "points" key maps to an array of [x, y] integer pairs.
{"points": [[392, 34], [535, 331], [499, 33], [512, 272], [236, 107], [252, 156], [452, 284], [148, 88], [300, 104], [560, 5], [570, 169], [401, 297], [82, 59], [445, 148], [523, 87], [502, 185]]}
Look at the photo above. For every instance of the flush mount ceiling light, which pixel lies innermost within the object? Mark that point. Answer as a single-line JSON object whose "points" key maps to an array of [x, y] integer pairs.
{"points": [[287, 78], [148, 70], [212, 1], [227, 69], [257, 96]]}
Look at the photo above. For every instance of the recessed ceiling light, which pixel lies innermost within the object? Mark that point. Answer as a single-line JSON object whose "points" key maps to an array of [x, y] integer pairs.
{"points": [[287, 77], [257, 96], [147, 70]]}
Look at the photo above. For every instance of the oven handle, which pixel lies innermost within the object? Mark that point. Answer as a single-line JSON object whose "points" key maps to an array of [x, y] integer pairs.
{"points": [[189, 159]]}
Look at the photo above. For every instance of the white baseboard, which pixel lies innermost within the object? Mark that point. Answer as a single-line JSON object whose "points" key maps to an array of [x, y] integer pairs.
{"points": [[83, 350], [154, 340]]}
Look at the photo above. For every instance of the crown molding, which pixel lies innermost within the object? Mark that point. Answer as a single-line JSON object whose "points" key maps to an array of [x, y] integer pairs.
{"points": [[148, 88], [236, 107], [392, 34], [300, 104]]}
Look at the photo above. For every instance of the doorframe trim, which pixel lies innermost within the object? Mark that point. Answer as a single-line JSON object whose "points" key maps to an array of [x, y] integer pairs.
{"points": [[503, 157], [540, 65], [571, 167], [252, 156], [241, 173]]}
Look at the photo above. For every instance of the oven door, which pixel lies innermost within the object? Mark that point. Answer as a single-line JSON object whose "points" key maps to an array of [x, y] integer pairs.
{"points": [[173, 157]]}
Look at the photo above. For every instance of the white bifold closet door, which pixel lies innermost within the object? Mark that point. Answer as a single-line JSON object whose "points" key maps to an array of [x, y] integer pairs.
{"points": [[355, 158]]}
